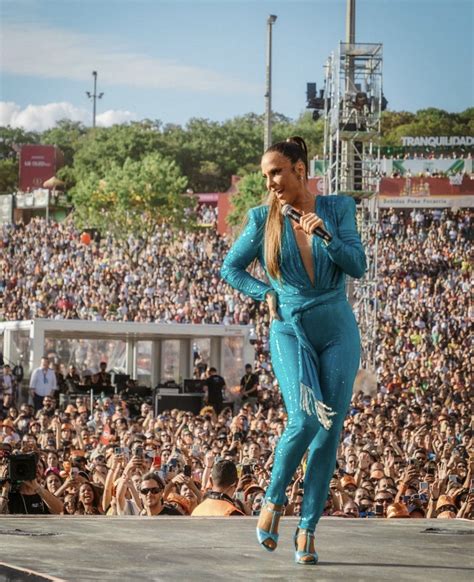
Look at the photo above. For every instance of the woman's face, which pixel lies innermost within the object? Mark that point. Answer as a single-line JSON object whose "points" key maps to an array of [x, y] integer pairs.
{"points": [[52, 460], [70, 504], [86, 495], [281, 177], [53, 483]]}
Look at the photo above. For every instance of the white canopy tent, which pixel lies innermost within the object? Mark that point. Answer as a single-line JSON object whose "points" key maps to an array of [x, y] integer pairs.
{"points": [[148, 352]]}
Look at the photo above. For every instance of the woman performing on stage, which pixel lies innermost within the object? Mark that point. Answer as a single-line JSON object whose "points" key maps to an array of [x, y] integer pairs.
{"points": [[314, 338]]}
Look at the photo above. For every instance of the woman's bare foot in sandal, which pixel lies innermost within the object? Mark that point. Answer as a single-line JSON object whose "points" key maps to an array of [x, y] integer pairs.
{"points": [[265, 523], [301, 542]]}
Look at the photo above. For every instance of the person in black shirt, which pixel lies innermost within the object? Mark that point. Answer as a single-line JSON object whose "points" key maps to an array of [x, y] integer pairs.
{"points": [[213, 385], [72, 379], [248, 385], [151, 494], [30, 498], [103, 378]]}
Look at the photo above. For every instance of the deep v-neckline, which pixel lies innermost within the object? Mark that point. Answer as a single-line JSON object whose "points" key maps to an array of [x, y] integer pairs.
{"points": [[300, 256]]}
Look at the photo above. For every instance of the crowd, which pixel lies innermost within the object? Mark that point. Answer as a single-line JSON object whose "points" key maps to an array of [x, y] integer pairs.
{"points": [[405, 451], [427, 154]]}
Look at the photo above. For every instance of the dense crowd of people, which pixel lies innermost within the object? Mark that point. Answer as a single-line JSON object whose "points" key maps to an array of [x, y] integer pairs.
{"points": [[406, 451]]}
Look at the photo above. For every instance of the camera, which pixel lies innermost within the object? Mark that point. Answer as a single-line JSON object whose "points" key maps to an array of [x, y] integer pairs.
{"points": [[22, 467]]}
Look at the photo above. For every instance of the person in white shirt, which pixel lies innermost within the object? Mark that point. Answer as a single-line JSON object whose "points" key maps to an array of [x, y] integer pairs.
{"points": [[42, 383]]}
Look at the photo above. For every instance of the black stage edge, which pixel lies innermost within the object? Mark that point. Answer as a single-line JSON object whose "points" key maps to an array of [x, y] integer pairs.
{"points": [[214, 549]]}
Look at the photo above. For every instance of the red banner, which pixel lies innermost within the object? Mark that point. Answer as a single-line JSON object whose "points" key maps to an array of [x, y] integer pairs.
{"points": [[454, 186], [38, 163]]}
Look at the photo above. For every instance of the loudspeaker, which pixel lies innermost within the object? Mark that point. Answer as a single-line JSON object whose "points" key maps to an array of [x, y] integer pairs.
{"points": [[193, 386]]}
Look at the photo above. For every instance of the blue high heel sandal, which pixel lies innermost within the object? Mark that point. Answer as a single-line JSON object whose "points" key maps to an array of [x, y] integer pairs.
{"points": [[300, 554], [263, 535]]}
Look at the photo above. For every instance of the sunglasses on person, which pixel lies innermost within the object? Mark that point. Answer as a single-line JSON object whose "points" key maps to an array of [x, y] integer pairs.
{"points": [[382, 500], [152, 490]]}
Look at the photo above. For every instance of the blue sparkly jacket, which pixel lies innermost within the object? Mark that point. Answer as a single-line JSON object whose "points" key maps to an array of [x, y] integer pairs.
{"points": [[332, 261]]}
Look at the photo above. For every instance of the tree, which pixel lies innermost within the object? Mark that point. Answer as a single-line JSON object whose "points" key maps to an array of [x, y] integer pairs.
{"points": [[11, 138], [8, 176], [104, 147], [67, 136], [133, 198], [251, 192]]}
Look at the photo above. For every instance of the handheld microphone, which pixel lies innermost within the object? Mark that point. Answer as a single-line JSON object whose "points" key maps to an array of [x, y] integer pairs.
{"points": [[288, 210]]}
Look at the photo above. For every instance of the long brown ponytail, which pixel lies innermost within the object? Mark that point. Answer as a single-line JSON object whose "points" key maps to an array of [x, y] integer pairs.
{"points": [[294, 148]]}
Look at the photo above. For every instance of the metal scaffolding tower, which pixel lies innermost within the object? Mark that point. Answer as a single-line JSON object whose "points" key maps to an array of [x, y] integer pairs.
{"points": [[353, 103]]}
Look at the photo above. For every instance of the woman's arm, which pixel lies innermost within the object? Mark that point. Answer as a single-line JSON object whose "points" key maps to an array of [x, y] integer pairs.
{"points": [[243, 252], [345, 249]]}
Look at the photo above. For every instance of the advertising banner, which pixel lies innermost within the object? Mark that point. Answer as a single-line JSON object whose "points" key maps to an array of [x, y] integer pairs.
{"points": [[455, 191], [38, 163], [430, 166]]}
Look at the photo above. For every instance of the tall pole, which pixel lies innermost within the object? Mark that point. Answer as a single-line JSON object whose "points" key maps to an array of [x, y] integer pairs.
{"points": [[350, 21], [350, 39], [94, 96], [347, 152], [267, 136]]}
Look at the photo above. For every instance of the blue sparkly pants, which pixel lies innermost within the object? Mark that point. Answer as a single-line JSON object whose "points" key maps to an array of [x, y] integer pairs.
{"points": [[333, 332]]}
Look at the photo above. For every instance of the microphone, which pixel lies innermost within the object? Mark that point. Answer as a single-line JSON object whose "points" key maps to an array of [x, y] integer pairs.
{"points": [[288, 210]]}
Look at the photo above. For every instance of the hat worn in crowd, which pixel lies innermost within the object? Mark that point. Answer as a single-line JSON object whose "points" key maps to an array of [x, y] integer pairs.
{"points": [[252, 489], [377, 475], [397, 510], [181, 501], [348, 480], [444, 500]]}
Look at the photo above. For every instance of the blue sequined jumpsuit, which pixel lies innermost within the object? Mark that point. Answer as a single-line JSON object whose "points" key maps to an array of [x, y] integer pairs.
{"points": [[315, 348]]}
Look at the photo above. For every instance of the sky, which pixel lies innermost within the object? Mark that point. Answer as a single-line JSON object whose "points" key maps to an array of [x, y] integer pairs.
{"points": [[175, 60]]}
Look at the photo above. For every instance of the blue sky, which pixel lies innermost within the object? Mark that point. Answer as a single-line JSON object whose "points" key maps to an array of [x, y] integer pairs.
{"points": [[173, 60]]}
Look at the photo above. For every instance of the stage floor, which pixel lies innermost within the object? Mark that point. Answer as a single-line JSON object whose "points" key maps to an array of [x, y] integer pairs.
{"points": [[213, 549]]}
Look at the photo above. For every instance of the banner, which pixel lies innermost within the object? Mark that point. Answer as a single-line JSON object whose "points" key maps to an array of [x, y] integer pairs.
{"points": [[455, 191], [38, 163], [448, 166]]}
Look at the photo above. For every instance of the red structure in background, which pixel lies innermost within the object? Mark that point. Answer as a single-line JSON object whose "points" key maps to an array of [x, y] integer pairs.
{"points": [[460, 185], [38, 163], [224, 206]]}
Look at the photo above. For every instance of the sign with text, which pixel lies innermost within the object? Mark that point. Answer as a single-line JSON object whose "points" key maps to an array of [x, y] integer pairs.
{"points": [[440, 141], [408, 192], [38, 163]]}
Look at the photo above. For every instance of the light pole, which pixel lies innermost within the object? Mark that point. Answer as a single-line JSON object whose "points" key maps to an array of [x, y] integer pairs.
{"points": [[94, 96], [267, 137]]}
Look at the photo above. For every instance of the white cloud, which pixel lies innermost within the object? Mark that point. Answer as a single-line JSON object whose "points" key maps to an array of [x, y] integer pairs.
{"points": [[41, 117], [54, 53], [112, 117]]}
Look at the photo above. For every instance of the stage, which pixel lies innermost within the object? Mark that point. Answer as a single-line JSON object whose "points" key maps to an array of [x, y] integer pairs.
{"points": [[187, 549]]}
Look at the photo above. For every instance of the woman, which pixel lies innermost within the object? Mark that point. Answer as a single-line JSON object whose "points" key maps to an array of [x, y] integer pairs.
{"points": [[314, 338], [89, 500]]}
